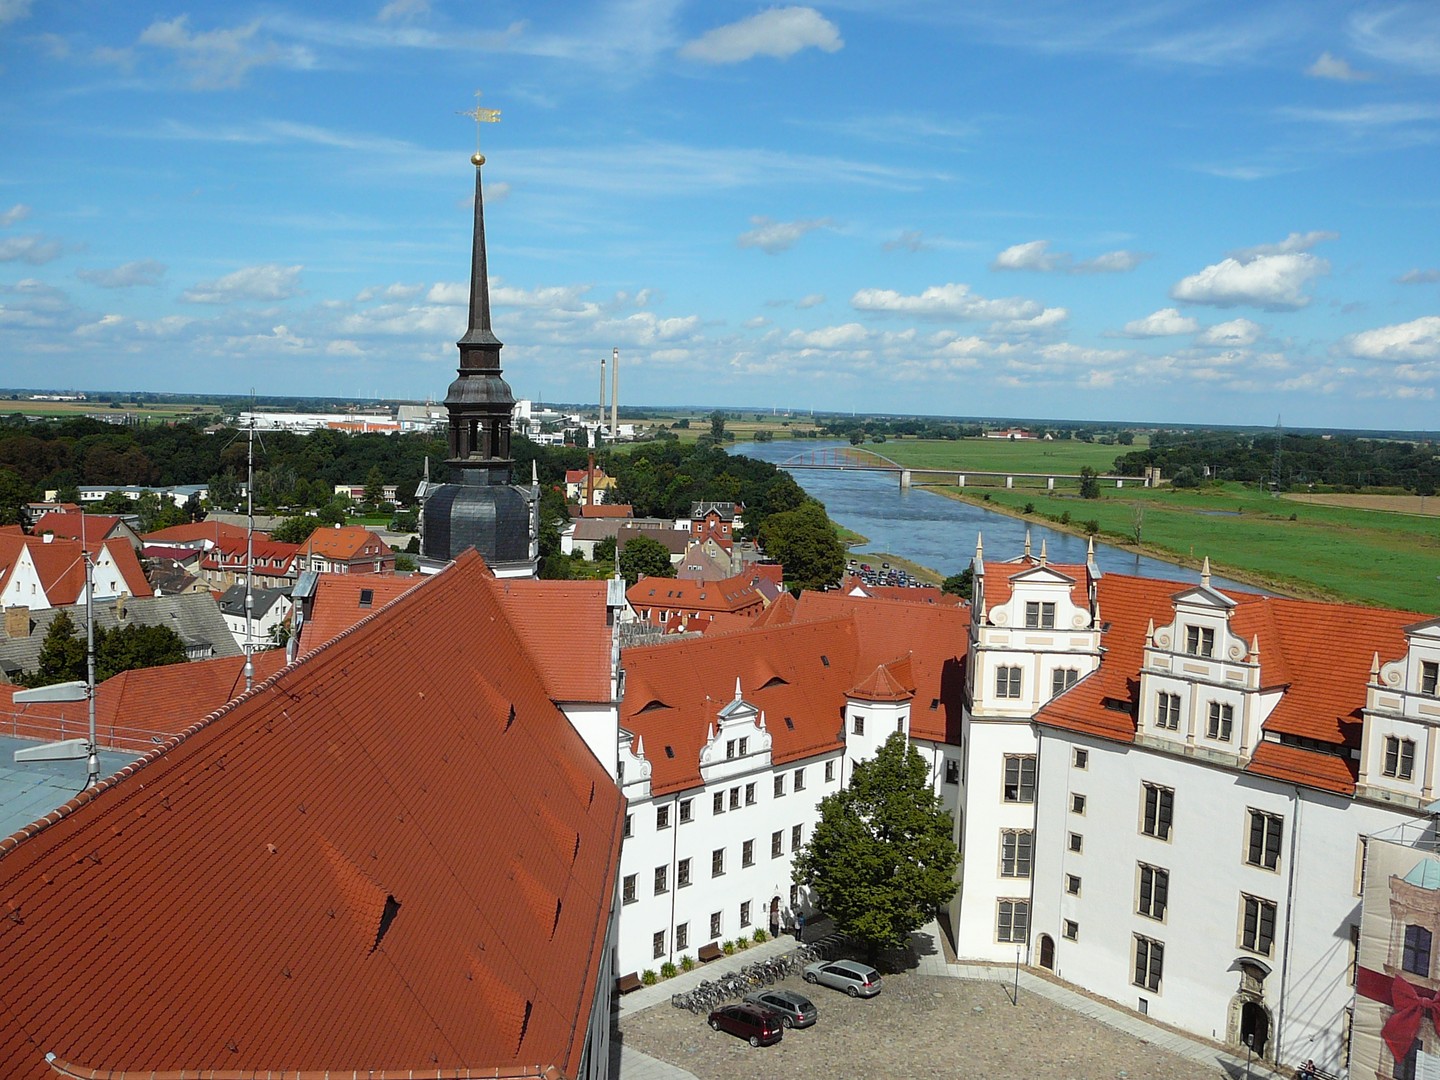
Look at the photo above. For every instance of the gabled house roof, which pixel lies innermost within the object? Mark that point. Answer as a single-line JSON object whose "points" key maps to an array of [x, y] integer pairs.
{"points": [[395, 855], [564, 626], [70, 526], [346, 543], [60, 565], [212, 532], [342, 600]]}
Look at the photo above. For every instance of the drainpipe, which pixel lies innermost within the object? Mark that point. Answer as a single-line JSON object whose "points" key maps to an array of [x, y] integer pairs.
{"points": [[1034, 829], [674, 866], [1289, 922]]}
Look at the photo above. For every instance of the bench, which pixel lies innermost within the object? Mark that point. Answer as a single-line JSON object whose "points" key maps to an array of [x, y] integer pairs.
{"points": [[710, 952], [626, 983]]}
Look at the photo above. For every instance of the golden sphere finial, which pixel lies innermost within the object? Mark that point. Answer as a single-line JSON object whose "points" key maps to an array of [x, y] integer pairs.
{"points": [[477, 159]]}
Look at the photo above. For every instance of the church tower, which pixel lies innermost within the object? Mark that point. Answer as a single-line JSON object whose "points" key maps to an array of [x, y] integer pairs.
{"points": [[479, 507]]}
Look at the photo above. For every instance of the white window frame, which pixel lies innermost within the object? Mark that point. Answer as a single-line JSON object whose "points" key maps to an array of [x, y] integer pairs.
{"points": [[1012, 920]]}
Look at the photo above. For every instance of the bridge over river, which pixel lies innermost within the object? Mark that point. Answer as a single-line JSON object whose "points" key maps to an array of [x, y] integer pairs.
{"points": [[854, 459]]}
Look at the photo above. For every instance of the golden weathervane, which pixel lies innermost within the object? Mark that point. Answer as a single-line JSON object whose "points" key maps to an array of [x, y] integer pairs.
{"points": [[480, 116]]}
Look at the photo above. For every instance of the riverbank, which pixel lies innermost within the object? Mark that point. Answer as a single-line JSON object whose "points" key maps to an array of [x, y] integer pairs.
{"points": [[914, 569]]}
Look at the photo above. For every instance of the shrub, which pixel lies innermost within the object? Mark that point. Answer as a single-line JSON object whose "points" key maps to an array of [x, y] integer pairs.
{"points": [[648, 977], [761, 936], [742, 943], [1185, 477], [728, 947], [1065, 518], [668, 970], [1029, 508], [1092, 527], [687, 963]]}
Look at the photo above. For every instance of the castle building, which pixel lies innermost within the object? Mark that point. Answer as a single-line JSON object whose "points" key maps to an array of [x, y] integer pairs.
{"points": [[479, 507]]}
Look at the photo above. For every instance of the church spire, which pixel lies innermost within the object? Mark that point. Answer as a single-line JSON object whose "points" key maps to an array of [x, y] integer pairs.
{"points": [[479, 348]]}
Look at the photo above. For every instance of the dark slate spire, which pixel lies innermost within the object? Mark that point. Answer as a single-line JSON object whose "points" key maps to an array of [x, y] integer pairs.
{"points": [[479, 348]]}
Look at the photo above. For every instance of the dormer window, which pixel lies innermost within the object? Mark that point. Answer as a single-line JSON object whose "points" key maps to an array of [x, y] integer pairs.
{"points": [[1430, 677], [1399, 757], [744, 747], [729, 749], [1200, 641], [1039, 616]]}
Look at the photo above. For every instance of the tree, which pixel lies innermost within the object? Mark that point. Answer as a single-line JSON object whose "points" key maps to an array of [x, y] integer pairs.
{"points": [[1089, 483], [857, 437], [605, 550], [647, 557], [882, 858], [62, 654], [717, 426], [374, 493], [294, 530], [134, 646], [805, 543], [14, 494], [961, 584]]}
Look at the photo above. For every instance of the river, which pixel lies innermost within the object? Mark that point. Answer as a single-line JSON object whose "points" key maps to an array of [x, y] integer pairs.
{"points": [[940, 533]]}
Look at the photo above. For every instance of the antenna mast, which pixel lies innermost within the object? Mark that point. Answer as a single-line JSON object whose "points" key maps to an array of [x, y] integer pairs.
{"points": [[249, 552], [1275, 470]]}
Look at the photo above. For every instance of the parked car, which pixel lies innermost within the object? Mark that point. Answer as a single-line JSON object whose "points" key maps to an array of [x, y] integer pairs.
{"points": [[857, 980], [794, 1010], [760, 1026]]}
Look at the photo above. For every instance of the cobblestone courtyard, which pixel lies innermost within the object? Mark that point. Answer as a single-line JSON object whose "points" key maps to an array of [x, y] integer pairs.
{"points": [[920, 1025]]}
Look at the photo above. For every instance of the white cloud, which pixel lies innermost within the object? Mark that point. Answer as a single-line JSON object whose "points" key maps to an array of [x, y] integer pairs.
{"points": [[34, 249], [546, 298], [126, 275], [267, 282], [1418, 339], [18, 212], [220, 59], [454, 293], [778, 32], [13, 11], [773, 237], [1162, 323], [1237, 333], [831, 337], [1419, 277], [813, 300], [909, 240], [403, 9], [950, 301], [397, 291], [1328, 66], [1036, 255], [1268, 276], [1047, 319], [1407, 34]]}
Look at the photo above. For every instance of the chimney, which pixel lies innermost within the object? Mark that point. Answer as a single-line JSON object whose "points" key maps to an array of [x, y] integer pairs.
{"points": [[615, 396], [120, 608], [17, 622]]}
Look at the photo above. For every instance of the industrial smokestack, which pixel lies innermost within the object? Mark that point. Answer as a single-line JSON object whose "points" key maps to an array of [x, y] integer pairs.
{"points": [[600, 422], [615, 396]]}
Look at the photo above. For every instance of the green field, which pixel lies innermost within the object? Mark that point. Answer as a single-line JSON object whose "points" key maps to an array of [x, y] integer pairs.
{"points": [[998, 455], [1332, 552]]}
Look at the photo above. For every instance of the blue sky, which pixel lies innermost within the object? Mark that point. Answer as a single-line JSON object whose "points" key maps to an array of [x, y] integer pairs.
{"points": [[1172, 211]]}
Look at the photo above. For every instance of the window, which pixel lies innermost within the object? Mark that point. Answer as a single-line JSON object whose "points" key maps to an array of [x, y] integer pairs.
{"points": [[1257, 931], [1039, 616], [750, 794], [1266, 831], [744, 746], [1016, 846], [1072, 884], [659, 943], [629, 826], [1399, 757], [715, 924], [779, 785], [1222, 722], [662, 880], [829, 772], [1075, 842], [799, 784], [729, 749], [1430, 677], [1081, 758], [1012, 921], [745, 913], [628, 894], [747, 853], [718, 802], [1408, 1067], [734, 798], [686, 814], [1167, 711], [1149, 963], [662, 817], [1072, 930], [1061, 679], [1159, 811], [1200, 641], [682, 936], [682, 873], [777, 843], [367, 596], [1020, 778], [1417, 951], [1077, 804], [717, 862], [1154, 892], [795, 838], [857, 725], [1007, 681], [952, 771]]}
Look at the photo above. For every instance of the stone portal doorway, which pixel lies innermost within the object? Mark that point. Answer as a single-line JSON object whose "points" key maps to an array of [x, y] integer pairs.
{"points": [[1254, 1026], [775, 917], [1047, 952]]}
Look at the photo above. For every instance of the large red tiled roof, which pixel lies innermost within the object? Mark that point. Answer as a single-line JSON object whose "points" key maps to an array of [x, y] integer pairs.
{"points": [[998, 586], [60, 565], [137, 709], [339, 603], [345, 542], [71, 525], [213, 531], [728, 594], [563, 625], [603, 510], [1317, 654], [394, 857]]}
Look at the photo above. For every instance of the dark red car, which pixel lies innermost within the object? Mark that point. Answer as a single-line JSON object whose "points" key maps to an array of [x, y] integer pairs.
{"points": [[761, 1026]]}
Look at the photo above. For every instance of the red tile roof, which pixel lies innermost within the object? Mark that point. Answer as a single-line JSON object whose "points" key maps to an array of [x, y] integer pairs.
{"points": [[345, 543], [337, 604], [1317, 654], [194, 533], [394, 855], [71, 525], [998, 587], [603, 510], [564, 627], [732, 594], [60, 565]]}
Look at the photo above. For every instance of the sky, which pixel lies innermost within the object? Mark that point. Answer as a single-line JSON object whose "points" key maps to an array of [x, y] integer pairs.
{"points": [[1169, 211]]}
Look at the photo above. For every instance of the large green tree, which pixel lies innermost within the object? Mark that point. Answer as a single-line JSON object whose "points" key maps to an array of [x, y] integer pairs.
{"points": [[805, 543], [882, 859], [644, 556], [133, 646], [62, 654]]}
